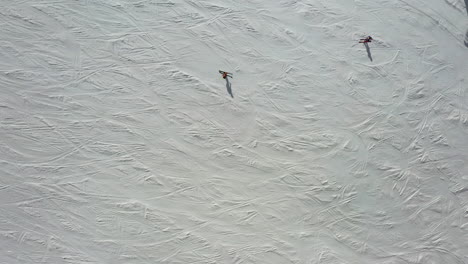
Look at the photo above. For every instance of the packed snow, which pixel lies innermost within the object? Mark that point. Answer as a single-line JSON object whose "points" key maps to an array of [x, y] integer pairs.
{"points": [[120, 142]]}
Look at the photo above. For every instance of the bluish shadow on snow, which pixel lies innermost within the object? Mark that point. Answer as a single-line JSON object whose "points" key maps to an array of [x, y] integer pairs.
{"points": [[466, 35], [368, 51], [228, 87], [466, 38]]}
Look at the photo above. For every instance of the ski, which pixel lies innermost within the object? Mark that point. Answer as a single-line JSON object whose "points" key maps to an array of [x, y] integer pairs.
{"points": [[227, 73]]}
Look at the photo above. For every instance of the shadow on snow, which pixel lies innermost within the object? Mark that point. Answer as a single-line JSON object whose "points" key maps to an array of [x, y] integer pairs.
{"points": [[228, 87], [369, 54], [466, 35]]}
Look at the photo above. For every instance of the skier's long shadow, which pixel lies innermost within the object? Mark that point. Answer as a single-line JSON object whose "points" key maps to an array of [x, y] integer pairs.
{"points": [[466, 35], [368, 50], [228, 87]]}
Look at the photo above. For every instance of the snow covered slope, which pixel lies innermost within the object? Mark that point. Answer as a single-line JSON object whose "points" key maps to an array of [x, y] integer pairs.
{"points": [[120, 142]]}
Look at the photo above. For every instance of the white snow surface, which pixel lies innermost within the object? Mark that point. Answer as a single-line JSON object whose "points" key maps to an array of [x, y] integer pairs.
{"points": [[120, 142]]}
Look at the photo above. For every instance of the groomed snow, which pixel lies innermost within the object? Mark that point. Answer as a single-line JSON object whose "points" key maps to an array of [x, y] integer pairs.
{"points": [[120, 142]]}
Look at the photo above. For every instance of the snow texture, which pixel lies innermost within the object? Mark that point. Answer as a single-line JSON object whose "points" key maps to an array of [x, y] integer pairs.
{"points": [[121, 143]]}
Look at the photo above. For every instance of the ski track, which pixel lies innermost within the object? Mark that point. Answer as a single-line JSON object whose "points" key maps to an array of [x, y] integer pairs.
{"points": [[120, 143]]}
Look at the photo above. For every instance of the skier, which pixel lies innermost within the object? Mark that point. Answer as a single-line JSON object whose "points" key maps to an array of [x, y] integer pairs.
{"points": [[225, 74], [366, 40]]}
